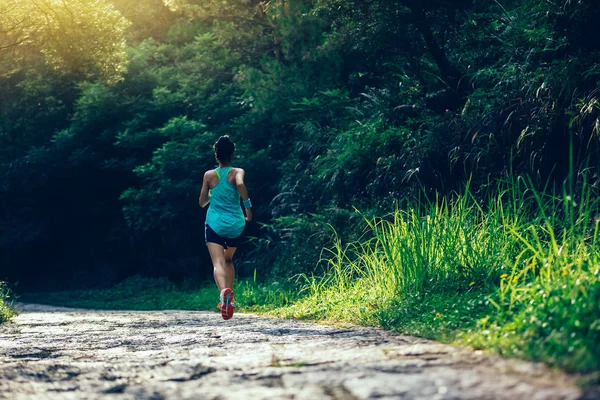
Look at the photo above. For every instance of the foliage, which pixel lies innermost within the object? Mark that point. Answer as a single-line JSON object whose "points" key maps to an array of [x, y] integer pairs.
{"points": [[520, 276], [6, 310], [85, 37], [293, 245]]}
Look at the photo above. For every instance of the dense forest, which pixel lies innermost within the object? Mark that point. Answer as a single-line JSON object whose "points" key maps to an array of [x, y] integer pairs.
{"points": [[109, 109]]}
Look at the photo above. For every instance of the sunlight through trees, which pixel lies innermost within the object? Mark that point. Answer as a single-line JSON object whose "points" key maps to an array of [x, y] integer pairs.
{"points": [[81, 36]]}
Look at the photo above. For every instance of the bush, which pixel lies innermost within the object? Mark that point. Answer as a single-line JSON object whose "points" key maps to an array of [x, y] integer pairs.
{"points": [[6, 310]]}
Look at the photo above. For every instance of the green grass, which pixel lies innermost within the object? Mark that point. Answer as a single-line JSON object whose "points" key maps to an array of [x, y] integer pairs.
{"points": [[6, 309], [519, 276], [138, 293]]}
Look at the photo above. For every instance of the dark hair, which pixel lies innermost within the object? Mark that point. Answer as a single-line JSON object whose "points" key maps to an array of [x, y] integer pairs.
{"points": [[224, 149]]}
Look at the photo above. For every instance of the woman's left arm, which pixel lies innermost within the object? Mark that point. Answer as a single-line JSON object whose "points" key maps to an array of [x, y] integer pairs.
{"points": [[241, 187]]}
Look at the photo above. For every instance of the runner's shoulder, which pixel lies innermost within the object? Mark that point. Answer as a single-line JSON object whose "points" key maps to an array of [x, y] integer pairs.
{"points": [[239, 174], [211, 178]]}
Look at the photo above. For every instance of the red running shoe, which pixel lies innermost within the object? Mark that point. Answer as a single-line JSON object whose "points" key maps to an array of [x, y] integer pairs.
{"points": [[227, 303]]}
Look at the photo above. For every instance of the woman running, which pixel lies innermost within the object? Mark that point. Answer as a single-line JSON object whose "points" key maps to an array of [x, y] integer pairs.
{"points": [[225, 220]]}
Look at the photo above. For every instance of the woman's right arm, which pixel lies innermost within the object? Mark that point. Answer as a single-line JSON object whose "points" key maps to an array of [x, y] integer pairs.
{"points": [[204, 193]]}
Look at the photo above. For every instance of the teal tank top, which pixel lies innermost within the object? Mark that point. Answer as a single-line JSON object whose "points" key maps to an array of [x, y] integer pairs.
{"points": [[225, 215]]}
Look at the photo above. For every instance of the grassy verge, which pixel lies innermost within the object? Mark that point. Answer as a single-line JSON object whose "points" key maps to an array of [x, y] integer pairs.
{"points": [[6, 310], [138, 293], [519, 276]]}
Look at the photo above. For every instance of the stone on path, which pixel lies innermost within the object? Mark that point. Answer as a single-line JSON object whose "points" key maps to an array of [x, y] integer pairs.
{"points": [[57, 353]]}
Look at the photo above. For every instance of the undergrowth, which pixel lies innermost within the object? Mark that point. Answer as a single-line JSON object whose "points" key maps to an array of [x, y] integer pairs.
{"points": [[140, 293], [6, 309], [518, 275]]}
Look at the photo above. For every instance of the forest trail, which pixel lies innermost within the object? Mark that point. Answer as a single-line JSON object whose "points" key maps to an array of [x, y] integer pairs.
{"points": [[57, 353]]}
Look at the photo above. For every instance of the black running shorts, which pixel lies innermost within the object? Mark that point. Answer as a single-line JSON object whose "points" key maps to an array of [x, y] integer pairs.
{"points": [[212, 237]]}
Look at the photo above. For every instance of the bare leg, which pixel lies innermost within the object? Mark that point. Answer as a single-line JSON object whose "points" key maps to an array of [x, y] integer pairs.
{"points": [[229, 266], [223, 270]]}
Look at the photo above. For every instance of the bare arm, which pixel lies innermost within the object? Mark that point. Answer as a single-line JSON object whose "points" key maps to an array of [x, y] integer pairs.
{"points": [[241, 187], [204, 195]]}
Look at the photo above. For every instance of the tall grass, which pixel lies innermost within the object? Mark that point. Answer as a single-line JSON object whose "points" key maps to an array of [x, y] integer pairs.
{"points": [[518, 274], [6, 310]]}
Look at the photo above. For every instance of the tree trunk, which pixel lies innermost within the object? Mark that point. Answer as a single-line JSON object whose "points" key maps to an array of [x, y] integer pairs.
{"points": [[449, 73]]}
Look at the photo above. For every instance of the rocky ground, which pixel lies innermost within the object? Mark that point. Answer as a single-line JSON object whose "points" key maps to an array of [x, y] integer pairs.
{"points": [[53, 353]]}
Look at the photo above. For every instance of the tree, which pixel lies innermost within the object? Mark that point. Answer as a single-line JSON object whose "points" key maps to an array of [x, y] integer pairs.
{"points": [[84, 37]]}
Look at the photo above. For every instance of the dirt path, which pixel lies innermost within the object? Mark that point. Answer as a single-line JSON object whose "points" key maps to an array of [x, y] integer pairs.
{"points": [[54, 353]]}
